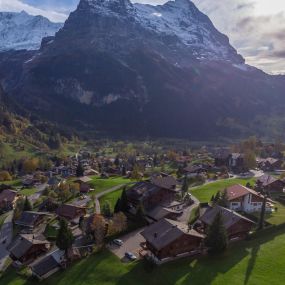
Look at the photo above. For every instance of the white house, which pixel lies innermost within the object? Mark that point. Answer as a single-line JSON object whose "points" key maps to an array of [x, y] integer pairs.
{"points": [[245, 199]]}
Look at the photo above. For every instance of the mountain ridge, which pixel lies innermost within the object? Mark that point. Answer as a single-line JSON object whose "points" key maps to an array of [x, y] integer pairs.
{"points": [[109, 71], [23, 31]]}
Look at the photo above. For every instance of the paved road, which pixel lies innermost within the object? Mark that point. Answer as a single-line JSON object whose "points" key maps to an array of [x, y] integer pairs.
{"points": [[6, 235], [40, 189], [184, 218]]}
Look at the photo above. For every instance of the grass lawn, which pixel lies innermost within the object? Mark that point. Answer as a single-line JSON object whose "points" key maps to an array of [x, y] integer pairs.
{"points": [[15, 183], [111, 198], [260, 261], [205, 192], [28, 191], [100, 184]]}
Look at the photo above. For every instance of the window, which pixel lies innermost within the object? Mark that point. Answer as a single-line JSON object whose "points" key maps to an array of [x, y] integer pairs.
{"points": [[235, 204]]}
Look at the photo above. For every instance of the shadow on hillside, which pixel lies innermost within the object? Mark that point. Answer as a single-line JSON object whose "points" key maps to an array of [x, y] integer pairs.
{"points": [[251, 262]]}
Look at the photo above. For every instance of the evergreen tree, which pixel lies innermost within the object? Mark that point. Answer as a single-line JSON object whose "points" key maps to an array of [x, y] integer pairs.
{"points": [[185, 186], [64, 237], [79, 170], [262, 214], [27, 205], [217, 239], [106, 210], [124, 201], [223, 199], [118, 207]]}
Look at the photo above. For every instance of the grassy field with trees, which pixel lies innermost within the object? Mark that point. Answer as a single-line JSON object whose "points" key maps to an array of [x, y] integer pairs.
{"points": [[259, 261], [205, 192]]}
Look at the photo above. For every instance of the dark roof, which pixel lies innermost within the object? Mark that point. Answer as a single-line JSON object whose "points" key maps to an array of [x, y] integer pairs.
{"points": [[8, 195], [159, 213], [142, 190], [69, 211], [194, 168], [45, 265], [24, 242], [166, 231], [167, 182], [29, 218], [230, 217], [266, 180]]}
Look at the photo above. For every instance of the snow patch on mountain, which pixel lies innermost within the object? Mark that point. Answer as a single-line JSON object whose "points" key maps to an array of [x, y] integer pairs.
{"points": [[23, 31], [183, 20]]}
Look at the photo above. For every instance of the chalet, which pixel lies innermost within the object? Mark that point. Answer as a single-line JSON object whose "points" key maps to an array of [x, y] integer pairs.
{"points": [[241, 198], [270, 184], [269, 164], [237, 226], [169, 239], [27, 247], [151, 194], [236, 163], [84, 184], [8, 199], [233, 161], [47, 265], [194, 170], [31, 220], [71, 212]]}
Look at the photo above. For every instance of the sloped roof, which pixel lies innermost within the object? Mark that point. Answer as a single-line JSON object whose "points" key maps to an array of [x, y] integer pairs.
{"points": [[166, 182], [28, 218], [237, 191], [166, 231], [8, 195], [266, 179], [230, 217], [24, 243]]}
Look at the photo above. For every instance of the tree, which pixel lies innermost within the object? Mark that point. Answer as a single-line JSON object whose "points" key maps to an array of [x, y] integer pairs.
{"points": [[64, 238], [98, 228], [118, 224], [262, 213], [5, 176], [185, 186], [223, 199], [217, 239], [27, 205], [79, 170], [106, 210], [249, 159], [118, 206], [124, 201]]}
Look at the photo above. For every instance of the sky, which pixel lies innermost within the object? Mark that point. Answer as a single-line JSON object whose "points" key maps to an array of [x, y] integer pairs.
{"points": [[256, 28]]}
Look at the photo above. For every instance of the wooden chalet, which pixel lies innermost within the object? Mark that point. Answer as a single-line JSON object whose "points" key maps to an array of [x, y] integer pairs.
{"points": [[27, 247], [237, 226], [168, 239], [270, 184], [150, 194]]}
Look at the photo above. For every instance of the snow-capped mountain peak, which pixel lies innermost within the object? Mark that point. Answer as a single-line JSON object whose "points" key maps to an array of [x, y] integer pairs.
{"points": [[23, 31]]}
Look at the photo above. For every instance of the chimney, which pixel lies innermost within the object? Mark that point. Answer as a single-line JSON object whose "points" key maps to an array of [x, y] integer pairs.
{"points": [[155, 235]]}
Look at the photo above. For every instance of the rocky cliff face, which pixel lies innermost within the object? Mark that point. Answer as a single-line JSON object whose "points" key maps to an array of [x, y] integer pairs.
{"points": [[143, 70], [23, 31]]}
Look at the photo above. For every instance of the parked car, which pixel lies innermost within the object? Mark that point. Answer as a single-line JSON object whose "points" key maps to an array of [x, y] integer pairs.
{"points": [[118, 242], [130, 256]]}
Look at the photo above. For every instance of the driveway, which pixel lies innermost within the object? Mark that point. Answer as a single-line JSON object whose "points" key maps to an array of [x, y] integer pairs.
{"points": [[132, 243], [184, 218]]}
